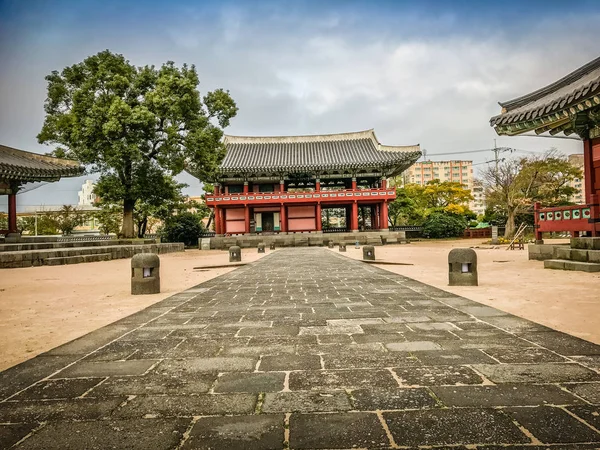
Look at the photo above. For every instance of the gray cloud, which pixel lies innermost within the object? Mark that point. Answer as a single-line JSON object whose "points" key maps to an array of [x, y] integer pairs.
{"points": [[303, 75]]}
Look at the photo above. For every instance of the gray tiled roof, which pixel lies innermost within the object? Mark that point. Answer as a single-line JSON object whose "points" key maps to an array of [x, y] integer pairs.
{"points": [[572, 89], [19, 165], [345, 151]]}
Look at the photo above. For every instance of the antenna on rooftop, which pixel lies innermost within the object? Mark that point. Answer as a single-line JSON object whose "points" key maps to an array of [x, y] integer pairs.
{"points": [[424, 154]]}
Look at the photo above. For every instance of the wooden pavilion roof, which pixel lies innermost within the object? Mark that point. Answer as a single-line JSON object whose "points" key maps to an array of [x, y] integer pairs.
{"points": [[568, 105], [316, 153], [21, 166]]}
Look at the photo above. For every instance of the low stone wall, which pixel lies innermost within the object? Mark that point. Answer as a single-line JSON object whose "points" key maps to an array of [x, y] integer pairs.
{"points": [[542, 252], [59, 256], [303, 239]]}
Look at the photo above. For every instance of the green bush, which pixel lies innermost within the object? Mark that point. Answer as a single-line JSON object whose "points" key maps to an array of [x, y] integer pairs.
{"points": [[185, 227], [443, 225]]}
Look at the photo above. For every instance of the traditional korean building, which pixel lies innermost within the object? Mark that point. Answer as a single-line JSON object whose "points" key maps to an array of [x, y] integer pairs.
{"points": [[287, 184], [18, 167], [570, 106]]}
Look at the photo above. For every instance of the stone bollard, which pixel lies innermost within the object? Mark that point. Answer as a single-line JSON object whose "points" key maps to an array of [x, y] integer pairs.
{"points": [[342, 247], [462, 267], [145, 274], [261, 248], [235, 254], [330, 244], [272, 246], [369, 253]]}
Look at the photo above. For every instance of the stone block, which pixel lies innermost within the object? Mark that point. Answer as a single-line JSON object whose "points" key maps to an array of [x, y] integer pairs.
{"points": [[261, 247], [369, 253], [235, 254], [558, 264], [561, 252], [145, 274], [204, 243], [578, 255], [582, 266], [593, 256], [342, 247], [462, 267], [586, 243]]}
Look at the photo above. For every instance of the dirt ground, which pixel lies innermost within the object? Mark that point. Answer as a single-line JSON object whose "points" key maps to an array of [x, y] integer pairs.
{"points": [[563, 300], [43, 307]]}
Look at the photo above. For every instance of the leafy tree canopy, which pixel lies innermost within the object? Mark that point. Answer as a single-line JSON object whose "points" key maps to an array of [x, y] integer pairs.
{"points": [[516, 184], [414, 203], [135, 125]]}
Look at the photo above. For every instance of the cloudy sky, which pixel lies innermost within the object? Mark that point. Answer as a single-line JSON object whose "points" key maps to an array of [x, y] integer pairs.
{"points": [[427, 72]]}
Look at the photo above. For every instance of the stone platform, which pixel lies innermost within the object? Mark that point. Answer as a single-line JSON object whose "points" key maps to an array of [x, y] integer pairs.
{"points": [[304, 239], [306, 349], [52, 253]]}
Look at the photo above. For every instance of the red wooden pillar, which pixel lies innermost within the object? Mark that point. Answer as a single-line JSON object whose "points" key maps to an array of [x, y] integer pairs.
{"points": [[588, 169], [383, 183], [245, 187], [354, 216], [226, 190], [222, 216], [353, 183], [217, 214], [536, 218], [318, 218], [282, 219], [384, 215], [595, 214], [217, 189], [318, 185], [12, 213], [247, 218], [281, 185]]}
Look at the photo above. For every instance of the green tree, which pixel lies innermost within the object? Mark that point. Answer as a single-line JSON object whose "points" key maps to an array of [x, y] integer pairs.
{"points": [[185, 227], [414, 203], [444, 225], [68, 218], [109, 217], [516, 184], [3, 221], [131, 123], [46, 224]]}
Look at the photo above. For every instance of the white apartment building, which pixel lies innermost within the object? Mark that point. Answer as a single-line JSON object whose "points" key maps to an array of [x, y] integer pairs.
{"points": [[578, 183], [86, 194], [455, 171], [425, 171]]}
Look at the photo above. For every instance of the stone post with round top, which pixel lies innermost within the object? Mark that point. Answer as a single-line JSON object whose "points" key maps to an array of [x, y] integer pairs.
{"points": [[145, 274], [235, 254], [368, 253], [462, 267], [342, 247]]}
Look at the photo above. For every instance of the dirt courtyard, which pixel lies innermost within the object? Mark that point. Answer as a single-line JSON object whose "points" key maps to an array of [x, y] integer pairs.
{"points": [[564, 300], [43, 307]]}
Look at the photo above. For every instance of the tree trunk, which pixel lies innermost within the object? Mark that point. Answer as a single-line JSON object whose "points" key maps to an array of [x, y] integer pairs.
{"points": [[127, 230], [509, 232]]}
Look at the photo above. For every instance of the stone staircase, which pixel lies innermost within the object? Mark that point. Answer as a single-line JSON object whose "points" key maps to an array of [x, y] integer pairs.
{"points": [[583, 255], [31, 254]]}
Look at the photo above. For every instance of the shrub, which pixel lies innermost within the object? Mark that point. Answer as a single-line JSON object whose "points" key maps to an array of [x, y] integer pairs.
{"points": [[444, 225], [185, 227]]}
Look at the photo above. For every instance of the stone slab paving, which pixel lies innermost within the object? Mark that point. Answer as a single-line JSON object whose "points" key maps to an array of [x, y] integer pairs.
{"points": [[306, 349]]}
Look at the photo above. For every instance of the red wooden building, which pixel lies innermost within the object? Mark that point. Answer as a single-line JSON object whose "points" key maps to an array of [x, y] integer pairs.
{"points": [[286, 184], [18, 167], [570, 106]]}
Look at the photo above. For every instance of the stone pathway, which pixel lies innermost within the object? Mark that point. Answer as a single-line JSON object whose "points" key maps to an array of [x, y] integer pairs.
{"points": [[307, 349]]}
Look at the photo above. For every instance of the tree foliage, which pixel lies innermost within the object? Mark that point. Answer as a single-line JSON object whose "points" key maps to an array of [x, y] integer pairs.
{"points": [[137, 126], [444, 225], [184, 227], [109, 218], [516, 184], [415, 203], [69, 218]]}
